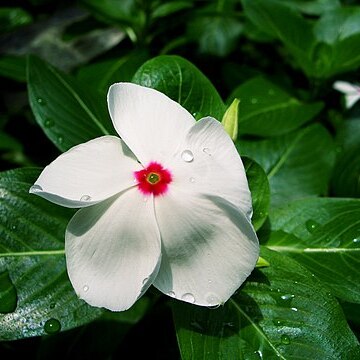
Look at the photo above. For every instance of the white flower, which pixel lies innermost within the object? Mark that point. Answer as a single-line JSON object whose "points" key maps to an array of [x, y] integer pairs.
{"points": [[167, 205], [351, 91]]}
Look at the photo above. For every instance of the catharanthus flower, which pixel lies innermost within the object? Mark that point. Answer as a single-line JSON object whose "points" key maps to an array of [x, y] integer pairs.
{"points": [[351, 91], [167, 205]]}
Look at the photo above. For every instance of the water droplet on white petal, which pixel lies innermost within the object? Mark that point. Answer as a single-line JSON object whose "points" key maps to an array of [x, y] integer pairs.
{"points": [[85, 198], [187, 156], [192, 180], [188, 297], [86, 288], [36, 188], [213, 301], [171, 293], [145, 280], [207, 151]]}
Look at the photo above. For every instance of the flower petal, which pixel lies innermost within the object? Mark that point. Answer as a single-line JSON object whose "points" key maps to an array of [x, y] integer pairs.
{"points": [[147, 120], [345, 87], [216, 167], [88, 173], [113, 250], [209, 248]]}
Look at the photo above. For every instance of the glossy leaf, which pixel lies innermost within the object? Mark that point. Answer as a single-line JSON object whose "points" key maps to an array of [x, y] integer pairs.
{"points": [[285, 23], [8, 295], [324, 235], [101, 75], [13, 67], [183, 82], [313, 7], [297, 164], [260, 191], [68, 112], [345, 178], [13, 17], [282, 312], [267, 110]]}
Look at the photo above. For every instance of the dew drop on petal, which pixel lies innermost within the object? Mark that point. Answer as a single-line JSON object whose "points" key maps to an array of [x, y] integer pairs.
{"points": [[145, 280], [171, 293], [188, 297], [35, 188], [285, 339], [192, 180], [213, 301], [86, 288], [187, 156], [85, 198], [206, 151], [52, 326]]}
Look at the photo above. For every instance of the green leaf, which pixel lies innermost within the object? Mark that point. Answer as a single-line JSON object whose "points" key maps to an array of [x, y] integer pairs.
{"points": [[216, 35], [32, 252], [8, 142], [345, 178], [183, 82], [282, 311], [260, 191], [12, 17], [13, 67], [267, 110], [315, 7], [8, 296], [101, 75], [285, 23], [324, 235], [170, 8], [68, 112], [297, 164], [338, 34]]}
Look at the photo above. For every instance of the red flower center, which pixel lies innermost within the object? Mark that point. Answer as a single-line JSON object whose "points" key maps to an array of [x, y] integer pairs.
{"points": [[154, 179]]}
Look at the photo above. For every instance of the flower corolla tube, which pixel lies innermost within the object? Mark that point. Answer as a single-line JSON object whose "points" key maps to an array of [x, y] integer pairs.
{"points": [[165, 204]]}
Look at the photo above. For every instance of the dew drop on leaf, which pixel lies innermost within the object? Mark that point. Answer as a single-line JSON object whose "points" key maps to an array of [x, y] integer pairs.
{"points": [[188, 297], [52, 326], [285, 339], [8, 294], [187, 156], [41, 101], [311, 226], [48, 123], [60, 139], [356, 241], [254, 101]]}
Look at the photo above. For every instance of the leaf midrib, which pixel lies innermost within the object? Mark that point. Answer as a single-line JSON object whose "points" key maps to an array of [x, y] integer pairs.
{"points": [[33, 253], [296, 250]]}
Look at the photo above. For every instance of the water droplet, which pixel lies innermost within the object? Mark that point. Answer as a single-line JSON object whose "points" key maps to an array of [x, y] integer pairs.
{"points": [[35, 188], [52, 326], [48, 123], [8, 301], [229, 324], [86, 288], [207, 151], [52, 305], [195, 114], [41, 101], [145, 280], [285, 339], [259, 354], [311, 226], [60, 139], [213, 301], [285, 300], [254, 100], [277, 322], [187, 156], [171, 293], [336, 243], [294, 309], [13, 227], [356, 241], [85, 198], [188, 297], [192, 180]]}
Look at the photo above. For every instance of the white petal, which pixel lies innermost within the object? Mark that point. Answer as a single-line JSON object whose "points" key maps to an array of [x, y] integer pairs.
{"points": [[113, 250], [148, 121], [88, 173], [345, 87], [209, 248], [351, 99], [216, 167]]}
